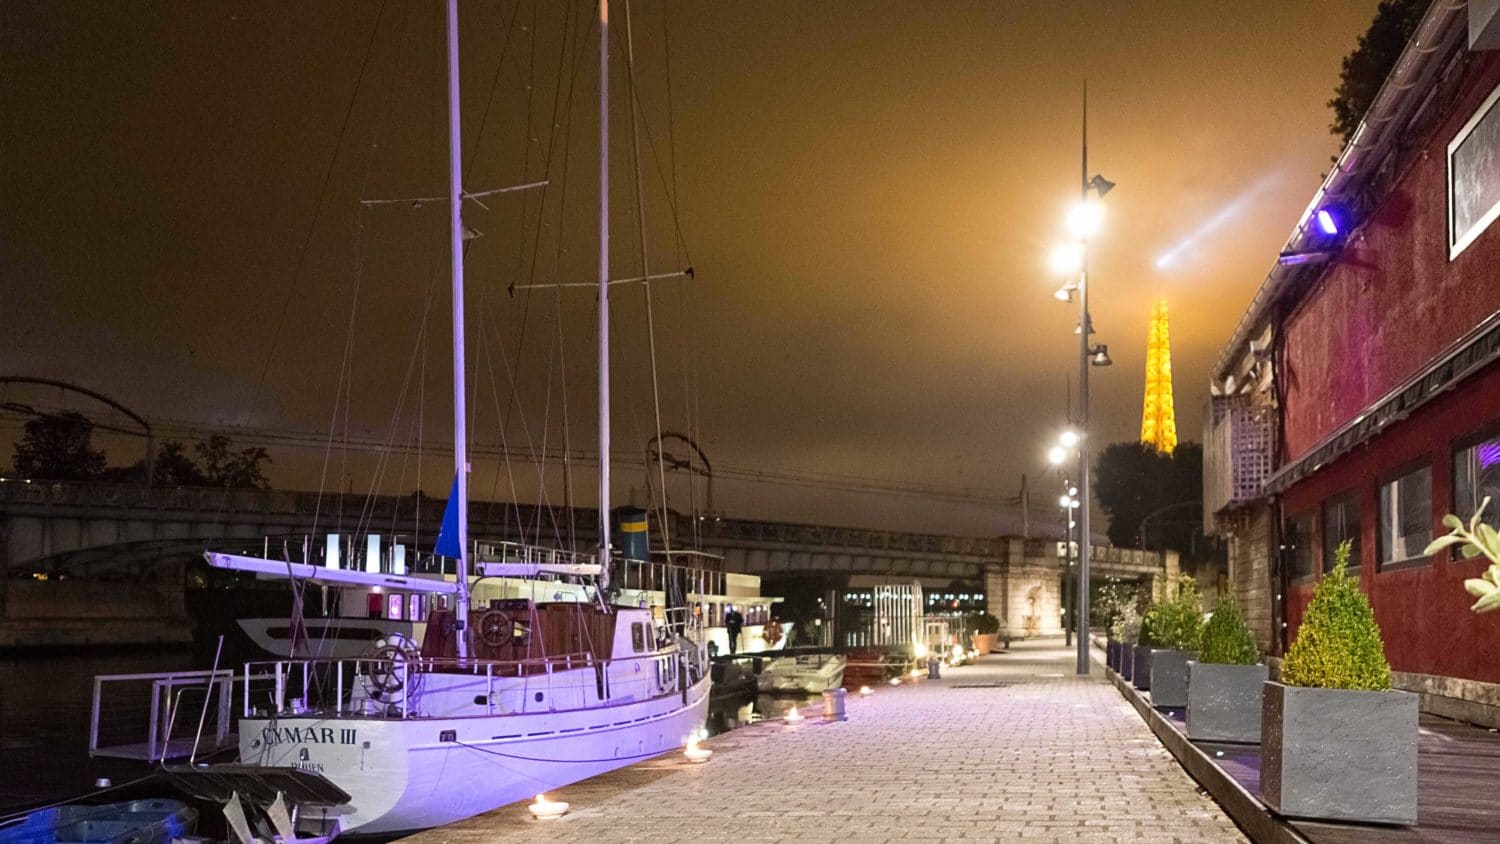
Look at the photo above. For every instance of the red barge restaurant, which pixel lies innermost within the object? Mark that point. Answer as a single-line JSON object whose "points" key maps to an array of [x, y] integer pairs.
{"points": [[1359, 397]]}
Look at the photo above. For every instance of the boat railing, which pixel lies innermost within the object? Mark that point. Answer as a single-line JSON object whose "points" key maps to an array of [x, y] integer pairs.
{"points": [[539, 555], [394, 687], [166, 707]]}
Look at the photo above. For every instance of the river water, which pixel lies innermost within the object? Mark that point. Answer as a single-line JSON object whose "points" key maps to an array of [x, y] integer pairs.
{"points": [[45, 709]]}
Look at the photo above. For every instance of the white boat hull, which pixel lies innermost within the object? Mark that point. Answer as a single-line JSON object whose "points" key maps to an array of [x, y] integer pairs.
{"points": [[405, 775]]}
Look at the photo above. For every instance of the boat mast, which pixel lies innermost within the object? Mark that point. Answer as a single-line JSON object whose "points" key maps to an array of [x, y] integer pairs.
{"points": [[604, 555], [456, 243]]}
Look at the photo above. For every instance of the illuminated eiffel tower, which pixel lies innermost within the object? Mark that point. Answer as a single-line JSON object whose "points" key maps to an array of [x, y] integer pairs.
{"points": [[1158, 422]]}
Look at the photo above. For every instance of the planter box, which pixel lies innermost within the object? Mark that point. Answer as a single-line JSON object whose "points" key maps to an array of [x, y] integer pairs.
{"points": [[1112, 654], [984, 643], [1224, 702], [1127, 660], [1341, 755], [1140, 675], [1169, 677]]}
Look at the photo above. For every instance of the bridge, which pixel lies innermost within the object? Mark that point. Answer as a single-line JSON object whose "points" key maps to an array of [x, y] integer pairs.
{"points": [[145, 536]]}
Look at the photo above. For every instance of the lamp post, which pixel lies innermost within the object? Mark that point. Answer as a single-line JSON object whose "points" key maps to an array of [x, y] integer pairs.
{"points": [[1083, 220]]}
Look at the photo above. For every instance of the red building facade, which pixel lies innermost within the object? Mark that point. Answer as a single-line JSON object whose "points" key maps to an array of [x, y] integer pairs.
{"points": [[1371, 356]]}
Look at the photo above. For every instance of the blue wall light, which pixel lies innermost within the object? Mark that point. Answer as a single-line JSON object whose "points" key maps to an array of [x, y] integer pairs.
{"points": [[1328, 221]]}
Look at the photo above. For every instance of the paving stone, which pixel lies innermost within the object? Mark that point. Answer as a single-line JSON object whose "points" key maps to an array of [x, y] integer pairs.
{"points": [[1049, 756]]}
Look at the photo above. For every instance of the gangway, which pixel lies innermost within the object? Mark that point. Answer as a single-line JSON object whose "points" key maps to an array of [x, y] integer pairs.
{"points": [[168, 707]]}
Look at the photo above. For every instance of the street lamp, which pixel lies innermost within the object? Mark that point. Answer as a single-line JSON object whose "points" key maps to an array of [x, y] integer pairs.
{"points": [[1083, 221]]}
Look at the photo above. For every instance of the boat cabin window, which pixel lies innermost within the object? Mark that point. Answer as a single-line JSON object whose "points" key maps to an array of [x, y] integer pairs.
{"points": [[374, 605], [395, 607], [417, 608], [638, 637]]}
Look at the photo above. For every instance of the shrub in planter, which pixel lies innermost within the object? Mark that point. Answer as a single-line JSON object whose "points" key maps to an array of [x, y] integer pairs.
{"points": [[1127, 629], [1224, 683], [983, 629], [1176, 633], [1336, 742], [1140, 674]]}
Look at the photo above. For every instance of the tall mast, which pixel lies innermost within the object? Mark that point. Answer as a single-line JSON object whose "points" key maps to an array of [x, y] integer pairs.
{"points": [[456, 243], [604, 556]]}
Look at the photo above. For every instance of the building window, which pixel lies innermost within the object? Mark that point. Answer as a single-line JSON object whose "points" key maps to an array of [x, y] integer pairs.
{"points": [[1406, 516], [1341, 522], [1473, 176], [1476, 476], [1298, 542]]}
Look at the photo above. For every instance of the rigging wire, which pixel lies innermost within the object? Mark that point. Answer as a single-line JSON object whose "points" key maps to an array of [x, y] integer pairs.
{"points": [[640, 208]]}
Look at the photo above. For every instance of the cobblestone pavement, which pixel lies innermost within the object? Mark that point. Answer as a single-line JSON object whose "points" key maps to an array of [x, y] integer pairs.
{"points": [[1014, 748]]}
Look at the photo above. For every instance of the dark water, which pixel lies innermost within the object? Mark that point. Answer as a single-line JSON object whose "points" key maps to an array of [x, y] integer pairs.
{"points": [[44, 722]]}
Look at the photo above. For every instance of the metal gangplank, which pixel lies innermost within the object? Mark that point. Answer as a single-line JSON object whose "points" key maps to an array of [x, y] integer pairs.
{"points": [[182, 714]]}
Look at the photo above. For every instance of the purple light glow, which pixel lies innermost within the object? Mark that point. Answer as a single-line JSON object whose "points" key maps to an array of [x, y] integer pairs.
{"points": [[1326, 221], [1488, 454]]}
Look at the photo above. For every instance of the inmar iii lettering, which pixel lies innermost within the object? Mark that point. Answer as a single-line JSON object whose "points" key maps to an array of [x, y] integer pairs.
{"points": [[308, 735]]}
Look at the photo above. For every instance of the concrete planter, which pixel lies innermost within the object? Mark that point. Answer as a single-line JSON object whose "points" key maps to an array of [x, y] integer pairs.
{"points": [[1127, 660], [1340, 755], [1112, 654], [1140, 676], [1169, 677], [1224, 702]]}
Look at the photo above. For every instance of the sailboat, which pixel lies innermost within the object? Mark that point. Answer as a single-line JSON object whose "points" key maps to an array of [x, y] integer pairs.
{"points": [[574, 675]]}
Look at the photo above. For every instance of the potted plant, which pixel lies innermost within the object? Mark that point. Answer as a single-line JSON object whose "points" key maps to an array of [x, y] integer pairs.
{"points": [[1224, 683], [1127, 630], [1475, 540], [1113, 599], [982, 628], [1145, 641], [1337, 742], [1175, 633]]}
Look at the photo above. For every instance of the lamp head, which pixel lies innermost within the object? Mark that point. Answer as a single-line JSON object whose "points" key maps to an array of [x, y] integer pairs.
{"points": [[1100, 355], [1065, 293], [1101, 185]]}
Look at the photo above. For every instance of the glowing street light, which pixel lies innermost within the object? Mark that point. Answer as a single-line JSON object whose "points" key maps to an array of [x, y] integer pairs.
{"points": [[1066, 259], [1057, 455], [1069, 438], [1084, 219]]}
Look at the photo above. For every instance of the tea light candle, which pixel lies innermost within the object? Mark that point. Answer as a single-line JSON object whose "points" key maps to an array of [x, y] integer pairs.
{"points": [[794, 716], [694, 753], [548, 810], [866, 691]]}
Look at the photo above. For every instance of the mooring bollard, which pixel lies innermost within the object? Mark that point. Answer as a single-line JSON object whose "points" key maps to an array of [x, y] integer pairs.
{"points": [[934, 669], [833, 705]]}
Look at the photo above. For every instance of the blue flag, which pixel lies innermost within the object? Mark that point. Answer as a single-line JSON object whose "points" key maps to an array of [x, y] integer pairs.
{"points": [[447, 541]]}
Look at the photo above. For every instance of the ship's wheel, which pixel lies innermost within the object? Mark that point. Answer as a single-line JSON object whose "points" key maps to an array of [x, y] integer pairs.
{"points": [[393, 669], [495, 628]]}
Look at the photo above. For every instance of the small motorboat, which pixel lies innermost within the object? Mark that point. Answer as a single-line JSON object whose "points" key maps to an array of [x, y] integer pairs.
{"points": [[811, 674]]}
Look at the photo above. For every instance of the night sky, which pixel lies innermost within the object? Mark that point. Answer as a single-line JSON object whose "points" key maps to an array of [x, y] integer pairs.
{"points": [[868, 193]]}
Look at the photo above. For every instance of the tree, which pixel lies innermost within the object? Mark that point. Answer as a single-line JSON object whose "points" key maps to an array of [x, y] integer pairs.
{"points": [[1135, 483], [221, 465], [1366, 68], [58, 447]]}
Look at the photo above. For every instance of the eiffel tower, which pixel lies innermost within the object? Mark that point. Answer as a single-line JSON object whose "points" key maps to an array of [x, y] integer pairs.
{"points": [[1158, 422]]}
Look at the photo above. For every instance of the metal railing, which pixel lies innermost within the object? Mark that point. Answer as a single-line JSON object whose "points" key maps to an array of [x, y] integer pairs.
{"points": [[166, 693], [394, 686]]}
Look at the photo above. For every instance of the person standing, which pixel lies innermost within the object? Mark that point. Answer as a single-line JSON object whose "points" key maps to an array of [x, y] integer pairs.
{"points": [[733, 622]]}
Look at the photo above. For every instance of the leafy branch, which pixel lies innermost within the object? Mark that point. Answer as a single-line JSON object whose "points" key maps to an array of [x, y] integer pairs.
{"points": [[1475, 539]]}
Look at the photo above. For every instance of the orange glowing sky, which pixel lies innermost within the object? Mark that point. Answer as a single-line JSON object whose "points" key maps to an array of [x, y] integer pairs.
{"points": [[868, 192]]}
